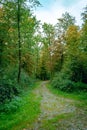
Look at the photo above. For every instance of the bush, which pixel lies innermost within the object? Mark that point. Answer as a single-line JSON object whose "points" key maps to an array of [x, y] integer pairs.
{"points": [[79, 86], [76, 68], [7, 90], [65, 84], [11, 106], [26, 80], [8, 85]]}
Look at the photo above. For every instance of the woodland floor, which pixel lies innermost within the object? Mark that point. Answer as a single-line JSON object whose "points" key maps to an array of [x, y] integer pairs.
{"points": [[58, 113]]}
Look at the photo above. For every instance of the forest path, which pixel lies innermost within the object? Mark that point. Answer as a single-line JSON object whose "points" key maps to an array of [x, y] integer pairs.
{"points": [[70, 117]]}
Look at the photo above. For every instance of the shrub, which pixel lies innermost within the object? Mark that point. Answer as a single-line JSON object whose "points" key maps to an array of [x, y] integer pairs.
{"points": [[11, 106], [65, 84], [79, 86], [8, 85], [7, 90], [76, 68], [26, 80]]}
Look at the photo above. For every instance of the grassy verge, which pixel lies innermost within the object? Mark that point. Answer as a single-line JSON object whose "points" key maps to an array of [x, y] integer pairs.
{"points": [[25, 115], [78, 96]]}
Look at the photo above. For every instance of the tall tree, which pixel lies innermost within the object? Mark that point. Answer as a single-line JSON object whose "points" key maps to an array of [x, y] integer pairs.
{"points": [[63, 23], [16, 14], [19, 41], [84, 30]]}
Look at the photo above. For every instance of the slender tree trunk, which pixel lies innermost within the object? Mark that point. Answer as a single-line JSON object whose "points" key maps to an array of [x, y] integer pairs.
{"points": [[19, 43], [62, 57], [50, 59]]}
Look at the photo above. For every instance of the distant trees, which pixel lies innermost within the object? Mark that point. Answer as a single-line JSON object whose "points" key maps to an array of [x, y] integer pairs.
{"points": [[62, 50], [45, 61], [54, 43]]}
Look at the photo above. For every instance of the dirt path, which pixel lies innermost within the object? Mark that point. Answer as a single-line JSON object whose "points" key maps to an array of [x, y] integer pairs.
{"points": [[53, 106]]}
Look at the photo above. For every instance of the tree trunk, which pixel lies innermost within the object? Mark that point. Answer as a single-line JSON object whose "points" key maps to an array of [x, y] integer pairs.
{"points": [[19, 43]]}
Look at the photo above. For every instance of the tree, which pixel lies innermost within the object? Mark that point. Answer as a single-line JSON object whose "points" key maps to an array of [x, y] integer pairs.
{"points": [[84, 30], [63, 24], [18, 28], [19, 42], [73, 75], [35, 2], [48, 40], [57, 53], [16, 14]]}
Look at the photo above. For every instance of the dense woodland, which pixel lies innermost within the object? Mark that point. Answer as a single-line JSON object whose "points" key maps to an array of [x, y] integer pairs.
{"points": [[30, 50]]}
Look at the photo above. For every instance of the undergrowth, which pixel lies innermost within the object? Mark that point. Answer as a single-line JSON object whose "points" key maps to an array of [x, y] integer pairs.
{"points": [[62, 82], [78, 95], [21, 111]]}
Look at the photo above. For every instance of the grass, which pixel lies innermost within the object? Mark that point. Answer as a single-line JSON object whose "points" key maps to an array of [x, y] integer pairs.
{"points": [[25, 115], [53, 124], [77, 96], [74, 95]]}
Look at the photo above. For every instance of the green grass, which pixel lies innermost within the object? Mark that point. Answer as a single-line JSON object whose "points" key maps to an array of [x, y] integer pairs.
{"points": [[78, 96], [53, 124], [25, 115]]}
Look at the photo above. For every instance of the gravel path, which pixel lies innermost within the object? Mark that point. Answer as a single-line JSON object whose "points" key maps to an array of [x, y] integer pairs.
{"points": [[52, 106]]}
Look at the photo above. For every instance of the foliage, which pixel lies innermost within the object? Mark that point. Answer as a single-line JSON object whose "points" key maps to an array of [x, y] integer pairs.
{"points": [[73, 75], [8, 85], [11, 106], [9, 88], [66, 21], [16, 53], [21, 111], [62, 25], [63, 82], [26, 80]]}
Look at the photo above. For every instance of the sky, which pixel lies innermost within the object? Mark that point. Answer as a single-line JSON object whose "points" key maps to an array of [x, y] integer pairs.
{"points": [[51, 10]]}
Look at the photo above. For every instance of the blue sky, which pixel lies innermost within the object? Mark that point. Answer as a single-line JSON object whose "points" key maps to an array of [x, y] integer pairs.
{"points": [[66, 3], [51, 10]]}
